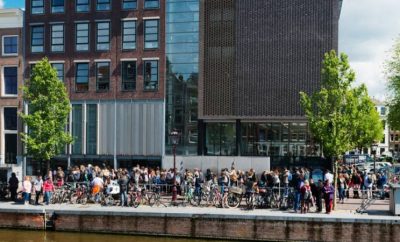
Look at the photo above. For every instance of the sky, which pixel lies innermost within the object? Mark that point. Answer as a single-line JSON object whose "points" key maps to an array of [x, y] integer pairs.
{"points": [[367, 30]]}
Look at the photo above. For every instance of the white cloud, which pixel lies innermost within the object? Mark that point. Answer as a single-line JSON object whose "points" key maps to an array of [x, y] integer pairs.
{"points": [[1, 3], [367, 32]]}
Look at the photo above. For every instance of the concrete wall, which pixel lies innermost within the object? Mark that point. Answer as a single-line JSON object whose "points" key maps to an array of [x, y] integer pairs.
{"points": [[216, 163]]}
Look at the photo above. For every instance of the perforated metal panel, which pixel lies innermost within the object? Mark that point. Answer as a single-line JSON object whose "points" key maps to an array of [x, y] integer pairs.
{"points": [[219, 57]]}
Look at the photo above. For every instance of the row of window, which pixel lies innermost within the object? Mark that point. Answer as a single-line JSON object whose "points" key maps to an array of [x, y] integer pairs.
{"points": [[9, 45], [83, 6], [9, 77], [103, 75], [103, 36]]}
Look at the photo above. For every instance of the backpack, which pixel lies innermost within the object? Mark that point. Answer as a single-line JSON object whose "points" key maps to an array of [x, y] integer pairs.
{"points": [[307, 195], [290, 177], [369, 180]]}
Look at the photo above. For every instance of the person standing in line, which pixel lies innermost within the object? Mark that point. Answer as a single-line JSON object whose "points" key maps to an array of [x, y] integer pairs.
{"points": [[38, 186], [26, 189], [368, 182], [328, 192], [13, 186], [48, 189], [123, 189]]}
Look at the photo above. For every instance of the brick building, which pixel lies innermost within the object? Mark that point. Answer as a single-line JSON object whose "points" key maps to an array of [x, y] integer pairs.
{"points": [[11, 70], [111, 57]]}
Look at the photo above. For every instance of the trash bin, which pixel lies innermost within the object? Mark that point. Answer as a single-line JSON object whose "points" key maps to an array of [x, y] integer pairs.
{"points": [[395, 199]]}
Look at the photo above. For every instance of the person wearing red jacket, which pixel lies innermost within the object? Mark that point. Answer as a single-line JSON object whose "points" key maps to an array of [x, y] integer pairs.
{"points": [[48, 189]]}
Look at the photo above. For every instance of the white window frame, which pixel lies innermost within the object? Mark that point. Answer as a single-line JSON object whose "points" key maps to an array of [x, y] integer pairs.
{"points": [[2, 45], [3, 84]]}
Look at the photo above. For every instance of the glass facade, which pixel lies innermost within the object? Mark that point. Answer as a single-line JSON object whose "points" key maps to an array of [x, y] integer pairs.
{"points": [[91, 129], [220, 139], [77, 119], [182, 50]]}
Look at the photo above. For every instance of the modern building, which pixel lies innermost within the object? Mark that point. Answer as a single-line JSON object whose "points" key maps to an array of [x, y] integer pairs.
{"points": [[11, 77], [111, 56], [248, 63]]}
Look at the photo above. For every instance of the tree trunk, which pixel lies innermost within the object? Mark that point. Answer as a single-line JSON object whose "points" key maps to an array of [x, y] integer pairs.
{"points": [[47, 166], [335, 177]]}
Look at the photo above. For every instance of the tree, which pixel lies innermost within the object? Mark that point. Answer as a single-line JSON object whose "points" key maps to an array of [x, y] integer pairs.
{"points": [[49, 107], [392, 71], [340, 117]]}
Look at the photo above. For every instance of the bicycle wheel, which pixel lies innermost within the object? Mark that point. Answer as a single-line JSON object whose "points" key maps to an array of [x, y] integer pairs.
{"points": [[233, 200], [109, 200], [136, 200], [152, 200]]}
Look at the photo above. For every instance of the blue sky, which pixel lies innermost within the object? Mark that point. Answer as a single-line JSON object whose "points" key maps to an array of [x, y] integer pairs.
{"points": [[14, 3]]}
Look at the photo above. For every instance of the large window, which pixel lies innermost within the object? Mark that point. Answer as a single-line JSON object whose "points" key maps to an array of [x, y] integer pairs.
{"points": [[10, 77], [128, 75], [60, 70], [57, 37], [151, 3], [82, 6], [103, 5], [10, 135], [37, 6], [103, 76], [37, 38], [129, 4], [82, 77], [150, 74], [151, 34], [128, 35], [82, 36], [220, 139], [57, 6], [91, 129], [77, 119], [10, 45], [103, 36]]}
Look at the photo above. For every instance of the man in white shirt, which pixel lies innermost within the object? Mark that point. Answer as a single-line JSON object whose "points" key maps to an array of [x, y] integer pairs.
{"points": [[329, 177]]}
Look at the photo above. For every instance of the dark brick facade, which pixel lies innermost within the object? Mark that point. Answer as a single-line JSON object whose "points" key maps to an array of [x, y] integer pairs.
{"points": [[257, 57], [115, 54]]}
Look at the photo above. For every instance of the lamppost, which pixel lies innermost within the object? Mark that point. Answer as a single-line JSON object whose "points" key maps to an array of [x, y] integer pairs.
{"points": [[174, 136], [374, 148]]}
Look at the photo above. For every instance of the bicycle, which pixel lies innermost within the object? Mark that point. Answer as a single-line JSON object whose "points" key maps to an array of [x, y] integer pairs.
{"points": [[139, 197]]}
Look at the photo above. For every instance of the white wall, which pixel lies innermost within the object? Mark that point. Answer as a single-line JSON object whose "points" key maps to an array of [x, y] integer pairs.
{"points": [[216, 163]]}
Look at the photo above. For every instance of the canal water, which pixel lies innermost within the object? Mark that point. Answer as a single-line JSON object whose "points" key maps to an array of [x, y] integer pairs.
{"points": [[42, 236]]}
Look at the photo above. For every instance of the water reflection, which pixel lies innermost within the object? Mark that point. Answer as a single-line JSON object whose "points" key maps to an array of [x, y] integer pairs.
{"points": [[41, 236]]}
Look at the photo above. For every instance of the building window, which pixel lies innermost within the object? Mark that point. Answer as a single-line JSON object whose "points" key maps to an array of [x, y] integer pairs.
{"points": [[82, 6], [103, 76], [57, 6], [129, 4], [82, 36], [77, 128], [60, 70], [10, 77], [10, 134], [57, 37], [128, 35], [220, 139], [82, 77], [10, 45], [91, 129], [383, 111], [128, 75], [151, 4], [37, 6], [151, 34], [151, 75], [37, 39], [103, 5], [103, 36]]}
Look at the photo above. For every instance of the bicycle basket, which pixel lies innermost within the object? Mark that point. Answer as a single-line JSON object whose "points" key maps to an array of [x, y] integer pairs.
{"points": [[236, 190]]}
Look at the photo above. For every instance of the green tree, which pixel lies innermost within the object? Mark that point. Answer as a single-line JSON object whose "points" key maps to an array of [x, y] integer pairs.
{"points": [[48, 109], [340, 117], [392, 71]]}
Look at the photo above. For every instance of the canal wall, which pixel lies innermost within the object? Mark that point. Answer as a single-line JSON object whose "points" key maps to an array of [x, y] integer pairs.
{"points": [[222, 226]]}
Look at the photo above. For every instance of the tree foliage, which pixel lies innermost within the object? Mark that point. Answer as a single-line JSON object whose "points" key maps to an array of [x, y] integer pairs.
{"points": [[392, 71], [49, 108], [341, 117]]}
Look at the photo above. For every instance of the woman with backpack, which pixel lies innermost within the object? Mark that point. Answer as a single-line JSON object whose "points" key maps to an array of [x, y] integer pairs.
{"points": [[305, 197]]}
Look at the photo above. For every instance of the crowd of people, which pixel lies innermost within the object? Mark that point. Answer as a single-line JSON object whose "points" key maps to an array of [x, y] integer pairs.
{"points": [[309, 189]]}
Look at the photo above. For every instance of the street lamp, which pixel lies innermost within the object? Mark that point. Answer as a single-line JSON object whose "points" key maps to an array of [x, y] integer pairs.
{"points": [[174, 136], [374, 148]]}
